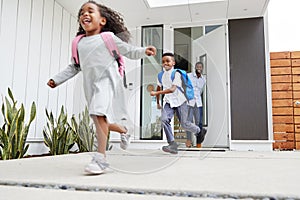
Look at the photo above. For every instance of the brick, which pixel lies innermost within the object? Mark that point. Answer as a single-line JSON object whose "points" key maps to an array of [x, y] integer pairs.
{"points": [[282, 103], [282, 86], [296, 62], [296, 86], [297, 145], [295, 70], [280, 55], [284, 137], [297, 111], [296, 95], [280, 63], [297, 119], [283, 128], [295, 54], [284, 145], [297, 128], [283, 119], [281, 79], [282, 95], [283, 111], [281, 70], [296, 79]]}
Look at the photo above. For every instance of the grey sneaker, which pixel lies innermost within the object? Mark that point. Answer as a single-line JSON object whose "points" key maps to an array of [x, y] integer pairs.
{"points": [[97, 165], [171, 148], [125, 141]]}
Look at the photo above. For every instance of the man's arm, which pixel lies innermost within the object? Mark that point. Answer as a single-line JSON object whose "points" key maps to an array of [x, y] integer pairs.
{"points": [[158, 98], [157, 95]]}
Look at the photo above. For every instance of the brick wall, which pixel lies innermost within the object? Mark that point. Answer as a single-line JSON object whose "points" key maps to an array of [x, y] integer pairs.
{"points": [[285, 72]]}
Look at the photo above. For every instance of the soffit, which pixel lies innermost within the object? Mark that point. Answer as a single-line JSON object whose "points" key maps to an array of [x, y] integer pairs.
{"points": [[136, 12]]}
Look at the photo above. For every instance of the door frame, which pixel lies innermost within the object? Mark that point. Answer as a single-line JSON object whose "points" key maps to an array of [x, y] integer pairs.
{"points": [[227, 90]]}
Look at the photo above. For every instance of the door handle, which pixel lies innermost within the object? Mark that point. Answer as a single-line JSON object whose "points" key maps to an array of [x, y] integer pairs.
{"points": [[297, 103]]}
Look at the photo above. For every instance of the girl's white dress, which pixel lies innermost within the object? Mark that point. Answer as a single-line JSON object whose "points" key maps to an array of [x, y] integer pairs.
{"points": [[102, 83]]}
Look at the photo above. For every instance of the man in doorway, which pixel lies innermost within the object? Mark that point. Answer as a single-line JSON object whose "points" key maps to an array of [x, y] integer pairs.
{"points": [[195, 105]]}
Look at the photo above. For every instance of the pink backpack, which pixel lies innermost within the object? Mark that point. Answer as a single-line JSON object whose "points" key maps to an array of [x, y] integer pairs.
{"points": [[110, 45]]}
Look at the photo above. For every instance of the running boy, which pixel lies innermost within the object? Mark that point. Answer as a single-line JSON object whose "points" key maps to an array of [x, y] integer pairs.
{"points": [[174, 101]]}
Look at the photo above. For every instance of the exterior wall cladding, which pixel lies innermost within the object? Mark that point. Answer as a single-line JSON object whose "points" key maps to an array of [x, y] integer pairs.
{"points": [[248, 79], [34, 43], [285, 73]]}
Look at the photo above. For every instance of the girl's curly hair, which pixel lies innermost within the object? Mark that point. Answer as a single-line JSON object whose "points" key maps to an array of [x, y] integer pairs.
{"points": [[114, 22]]}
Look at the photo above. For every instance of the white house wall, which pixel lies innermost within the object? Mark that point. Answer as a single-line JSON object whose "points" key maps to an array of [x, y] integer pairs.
{"points": [[268, 81], [34, 45]]}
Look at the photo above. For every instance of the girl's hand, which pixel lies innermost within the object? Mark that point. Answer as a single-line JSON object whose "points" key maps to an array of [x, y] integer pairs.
{"points": [[153, 93], [51, 83], [150, 51]]}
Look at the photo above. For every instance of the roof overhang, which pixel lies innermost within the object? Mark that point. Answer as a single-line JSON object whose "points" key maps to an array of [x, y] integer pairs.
{"points": [[139, 13]]}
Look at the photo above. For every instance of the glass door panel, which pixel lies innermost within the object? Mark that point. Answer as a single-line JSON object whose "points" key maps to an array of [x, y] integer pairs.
{"points": [[150, 116]]}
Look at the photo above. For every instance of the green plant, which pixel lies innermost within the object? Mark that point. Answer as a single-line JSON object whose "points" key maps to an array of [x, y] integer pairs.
{"points": [[59, 135], [13, 133], [85, 132]]}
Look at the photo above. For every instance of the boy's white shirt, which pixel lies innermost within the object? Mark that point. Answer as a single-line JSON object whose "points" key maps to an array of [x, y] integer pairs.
{"points": [[176, 98], [198, 85]]}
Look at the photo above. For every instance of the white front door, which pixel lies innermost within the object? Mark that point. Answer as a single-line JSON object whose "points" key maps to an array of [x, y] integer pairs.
{"points": [[211, 48]]}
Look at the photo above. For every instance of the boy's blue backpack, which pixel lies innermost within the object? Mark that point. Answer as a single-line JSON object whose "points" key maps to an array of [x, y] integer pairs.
{"points": [[187, 85]]}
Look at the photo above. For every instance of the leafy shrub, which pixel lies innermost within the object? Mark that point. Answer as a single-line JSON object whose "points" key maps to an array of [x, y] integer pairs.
{"points": [[13, 133], [85, 132], [59, 135]]}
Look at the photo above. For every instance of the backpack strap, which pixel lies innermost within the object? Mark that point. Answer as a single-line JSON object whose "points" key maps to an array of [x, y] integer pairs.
{"points": [[182, 81], [114, 51], [74, 49], [112, 47], [110, 43], [173, 74], [159, 76]]}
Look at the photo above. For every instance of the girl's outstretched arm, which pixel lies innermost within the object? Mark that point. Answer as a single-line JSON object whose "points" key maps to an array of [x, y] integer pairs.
{"points": [[131, 51], [63, 76], [150, 51]]}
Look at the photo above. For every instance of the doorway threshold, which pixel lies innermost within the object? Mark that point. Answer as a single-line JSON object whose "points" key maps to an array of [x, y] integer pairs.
{"points": [[202, 149]]}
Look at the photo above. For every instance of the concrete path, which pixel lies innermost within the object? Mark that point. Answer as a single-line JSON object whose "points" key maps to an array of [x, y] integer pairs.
{"points": [[155, 175]]}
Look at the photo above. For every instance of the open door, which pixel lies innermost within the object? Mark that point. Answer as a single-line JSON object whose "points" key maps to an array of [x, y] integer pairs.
{"points": [[211, 48]]}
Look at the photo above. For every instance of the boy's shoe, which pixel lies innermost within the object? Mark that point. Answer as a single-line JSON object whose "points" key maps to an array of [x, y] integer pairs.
{"points": [[171, 148], [125, 141], [188, 143], [97, 165]]}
